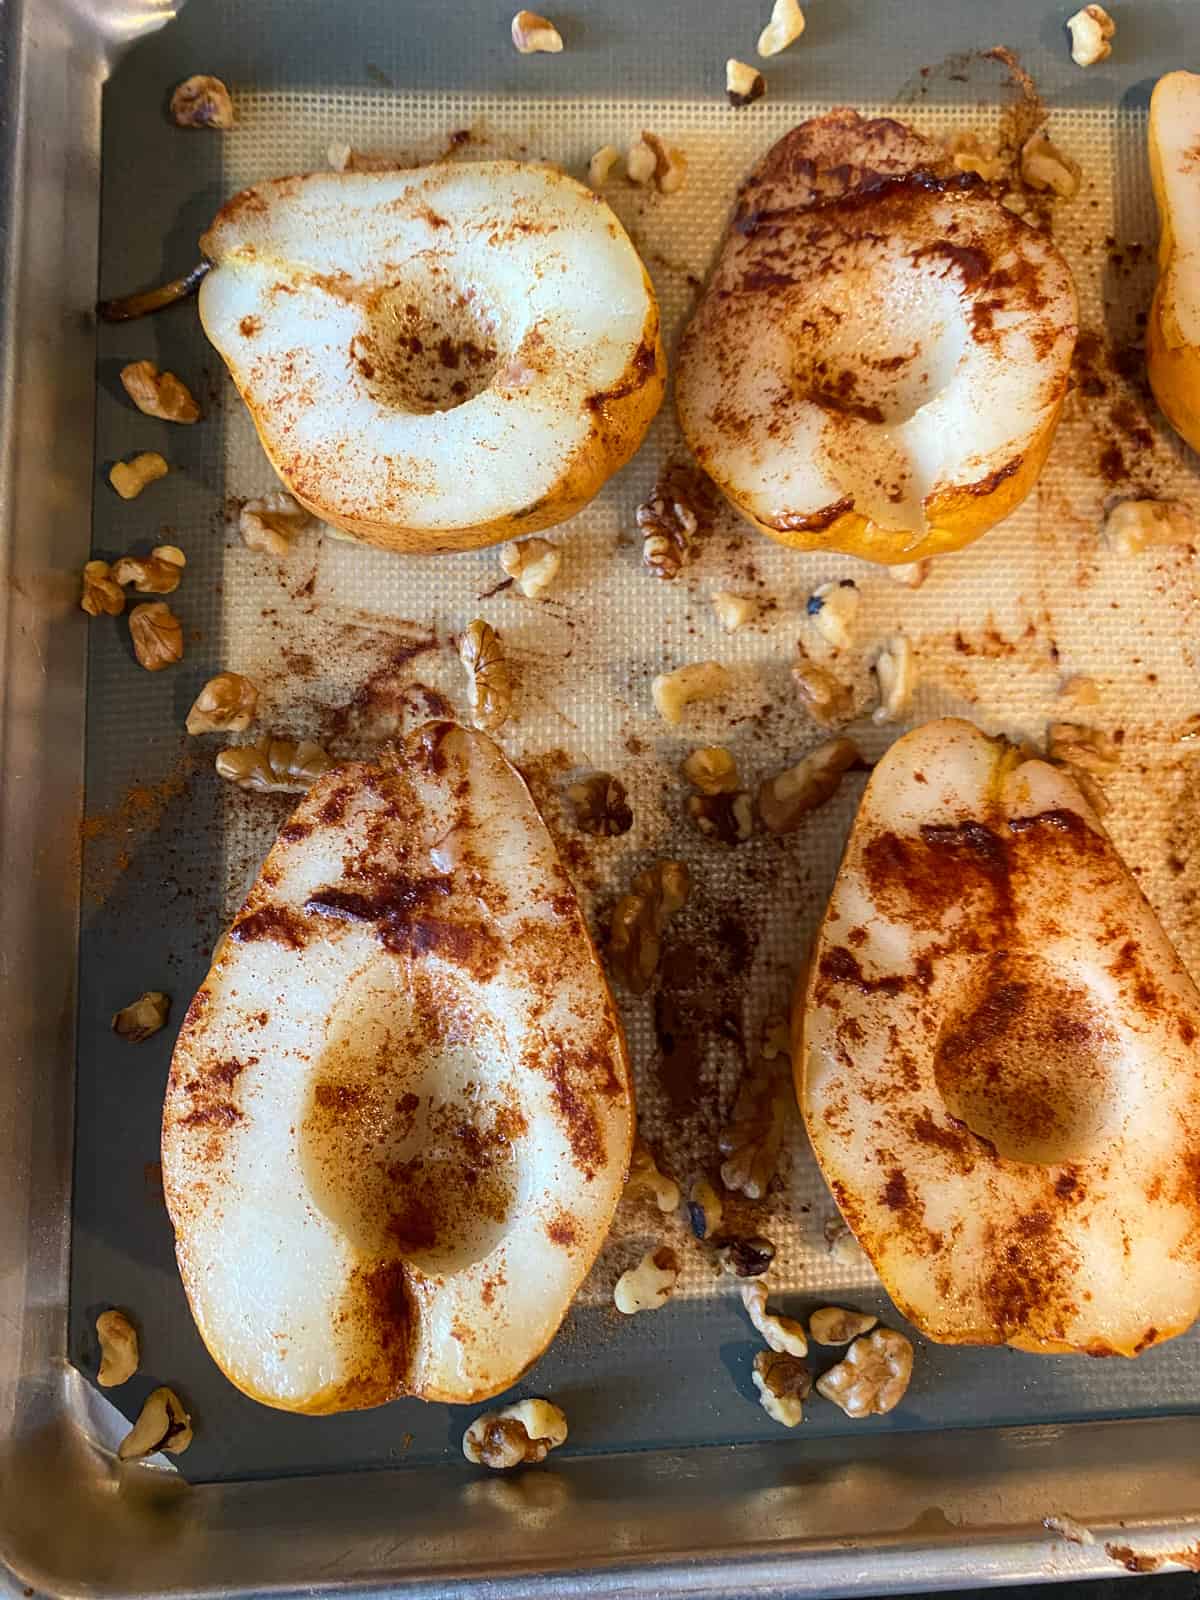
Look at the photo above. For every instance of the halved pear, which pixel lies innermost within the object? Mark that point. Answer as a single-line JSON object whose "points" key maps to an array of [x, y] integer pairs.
{"points": [[880, 358], [1173, 331], [997, 1059], [440, 358], [399, 1114]]}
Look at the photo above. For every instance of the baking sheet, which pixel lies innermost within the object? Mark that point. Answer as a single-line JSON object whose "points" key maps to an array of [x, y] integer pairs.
{"points": [[352, 645]]}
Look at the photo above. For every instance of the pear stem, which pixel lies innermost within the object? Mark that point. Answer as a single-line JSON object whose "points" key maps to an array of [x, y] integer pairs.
{"points": [[148, 300]]}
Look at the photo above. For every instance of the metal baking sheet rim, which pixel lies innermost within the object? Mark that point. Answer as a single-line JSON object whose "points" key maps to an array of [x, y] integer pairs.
{"points": [[875, 1514]]}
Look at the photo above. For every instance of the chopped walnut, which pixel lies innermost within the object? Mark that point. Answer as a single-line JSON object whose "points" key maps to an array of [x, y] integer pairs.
{"points": [[343, 157], [489, 676], [274, 766], [202, 102], [970, 153], [1081, 746], [646, 1179], [640, 162], [226, 704], [711, 770], [841, 1243], [785, 27], [272, 522], [745, 1257], [727, 818], [670, 521], [1044, 166], [896, 672], [520, 1435], [783, 1334], [743, 84], [787, 798], [600, 805], [833, 608], [912, 574], [639, 920], [157, 635], [144, 1017], [532, 564], [733, 611], [674, 691], [157, 573], [783, 1385], [872, 1376], [1080, 690], [159, 394], [753, 1137], [1092, 31], [162, 1424], [832, 1325], [102, 594], [534, 35], [601, 165], [827, 700], [129, 478], [706, 1209], [1134, 525], [650, 1284], [118, 1349], [670, 164]]}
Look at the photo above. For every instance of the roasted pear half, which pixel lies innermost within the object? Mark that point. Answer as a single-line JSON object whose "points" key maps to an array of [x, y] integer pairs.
{"points": [[439, 358], [1173, 331], [997, 1059], [399, 1114], [879, 361]]}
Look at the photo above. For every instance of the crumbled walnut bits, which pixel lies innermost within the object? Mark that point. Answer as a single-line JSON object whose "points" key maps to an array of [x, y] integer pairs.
{"points": [[489, 677], [743, 84], [144, 1017], [983, 157], [787, 798], [783, 1385], [118, 1349], [102, 595], [600, 805], [640, 162], [1135, 525], [534, 35], [274, 766], [706, 1209], [1044, 166], [158, 573], [841, 1243], [826, 699], [783, 1334], [271, 522], [745, 1257], [669, 521], [639, 920], [601, 165], [129, 478], [833, 1325], [833, 608], [162, 1424], [157, 635], [202, 102], [727, 819], [896, 673], [226, 704], [532, 564], [650, 1284], [1092, 31], [872, 1377], [785, 27], [753, 1137], [646, 1179], [733, 611], [670, 164], [674, 691], [159, 394], [520, 1435]]}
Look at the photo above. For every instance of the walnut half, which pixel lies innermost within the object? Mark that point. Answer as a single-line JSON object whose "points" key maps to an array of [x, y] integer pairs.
{"points": [[489, 676], [159, 394], [669, 521], [226, 704], [202, 102], [787, 798], [272, 522], [157, 635], [274, 766], [753, 1137], [639, 920], [872, 1377]]}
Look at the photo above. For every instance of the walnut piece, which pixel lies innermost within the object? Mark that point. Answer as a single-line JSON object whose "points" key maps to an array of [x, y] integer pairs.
{"points": [[601, 165], [343, 157], [826, 699], [534, 35], [162, 1424], [532, 564], [521, 1434], [226, 704], [970, 153], [202, 102], [674, 691], [274, 766], [912, 574], [726, 818], [785, 27], [745, 1257], [706, 1209], [157, 573], [743, 84], [753, 1137], [896, 672], [670, 164], [833, 608], [1086, 755], [1080, 690], [783, 1385], [102, 594], [787, 798], [157, 635], [118, 1349], [783, 1334], [145, 1016], [872, 1376], [841, 1243], [733, 611], [832, 1325], [272, 522], [669, 521], [129, 478], [1092, 31], [600, 805], [711, 770], [159, 394], [640, 162], [639, 920], [646, 1179], [1135, 525], [650, 1284], [489, 677], [1045, 167]]}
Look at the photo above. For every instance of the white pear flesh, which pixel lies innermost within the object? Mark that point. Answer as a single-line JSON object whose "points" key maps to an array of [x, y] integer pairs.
{"points": [[399, 1115], [879, 361], [437, 358], [997, 1059]]}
